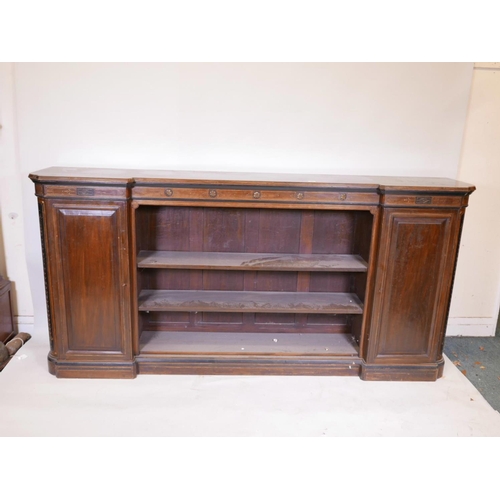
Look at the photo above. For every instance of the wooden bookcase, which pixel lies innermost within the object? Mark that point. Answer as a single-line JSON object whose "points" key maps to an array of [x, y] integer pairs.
{"points": [[217, 273]]}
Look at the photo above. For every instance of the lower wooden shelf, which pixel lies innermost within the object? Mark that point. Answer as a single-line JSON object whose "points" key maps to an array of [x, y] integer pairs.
{"points": [[245, 344], [217, 353]]}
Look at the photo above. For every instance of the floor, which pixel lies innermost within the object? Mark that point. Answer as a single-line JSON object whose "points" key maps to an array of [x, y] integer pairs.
{"points": [[37, 404]]}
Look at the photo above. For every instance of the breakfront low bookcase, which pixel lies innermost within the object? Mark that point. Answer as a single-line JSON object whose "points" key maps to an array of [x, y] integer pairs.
{"points": [[181, 272]]}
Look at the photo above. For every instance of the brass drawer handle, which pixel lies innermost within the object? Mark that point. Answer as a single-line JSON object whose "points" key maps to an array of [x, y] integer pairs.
{"points": [[256, 194], [212, 193], [300, 196], [169, 192], [343, 196]]}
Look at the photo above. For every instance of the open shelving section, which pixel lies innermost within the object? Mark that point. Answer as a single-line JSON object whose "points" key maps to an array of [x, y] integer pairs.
{"points": [[251, 281]]}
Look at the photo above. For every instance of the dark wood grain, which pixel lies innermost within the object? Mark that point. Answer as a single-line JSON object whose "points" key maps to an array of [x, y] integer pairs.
{"points": [[89, 280], [414, 289], [227, 364], [245, 322], [418, 251]]}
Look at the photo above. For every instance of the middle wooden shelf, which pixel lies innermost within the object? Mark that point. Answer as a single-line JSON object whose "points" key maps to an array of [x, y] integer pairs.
{"points": [[243, 301], [251, 261]]}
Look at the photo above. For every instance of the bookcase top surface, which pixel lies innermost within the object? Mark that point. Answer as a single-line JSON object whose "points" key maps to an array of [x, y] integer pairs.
{"points": [[148, 176]]}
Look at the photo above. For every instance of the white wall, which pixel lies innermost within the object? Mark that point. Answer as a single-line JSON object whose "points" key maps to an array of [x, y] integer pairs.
{"points": [[361, 118], [476, 298], [377, 118], [12, 236]]}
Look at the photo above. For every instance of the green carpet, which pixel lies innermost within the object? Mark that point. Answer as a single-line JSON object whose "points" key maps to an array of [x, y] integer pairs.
{"points": [[478, 358]]}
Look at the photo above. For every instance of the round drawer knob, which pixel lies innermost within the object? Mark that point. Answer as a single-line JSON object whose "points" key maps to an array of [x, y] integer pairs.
{"points": [[343, 196], [212, 193], [256, 194], [169, 192], [300, 196]]}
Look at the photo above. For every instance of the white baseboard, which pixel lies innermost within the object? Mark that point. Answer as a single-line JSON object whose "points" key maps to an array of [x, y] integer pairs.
{"points": [[471, 327]]}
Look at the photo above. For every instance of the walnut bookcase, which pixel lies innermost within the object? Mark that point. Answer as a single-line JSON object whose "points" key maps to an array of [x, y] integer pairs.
{"points": [[218, 273]]}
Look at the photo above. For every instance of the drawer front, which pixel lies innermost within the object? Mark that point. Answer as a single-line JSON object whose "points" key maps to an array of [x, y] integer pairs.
{"points": [[82, 192], [427, 200], [255, 195]]}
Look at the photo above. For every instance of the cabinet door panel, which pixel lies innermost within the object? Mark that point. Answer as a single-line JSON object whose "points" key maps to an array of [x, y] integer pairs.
{"points": [[90, 249], [413, 285]]}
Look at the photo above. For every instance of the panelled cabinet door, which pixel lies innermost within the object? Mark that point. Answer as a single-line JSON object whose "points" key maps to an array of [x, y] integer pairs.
{"points": [[413, 286], [89, 272]]}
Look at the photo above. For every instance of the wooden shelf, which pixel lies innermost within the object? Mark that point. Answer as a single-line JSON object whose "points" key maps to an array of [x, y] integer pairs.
{"points": [[251, 261], [237, 301], [247, 343]]}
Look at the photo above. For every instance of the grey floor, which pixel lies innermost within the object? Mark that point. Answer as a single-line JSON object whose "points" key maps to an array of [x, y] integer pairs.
{"points": [[35, 403]]}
